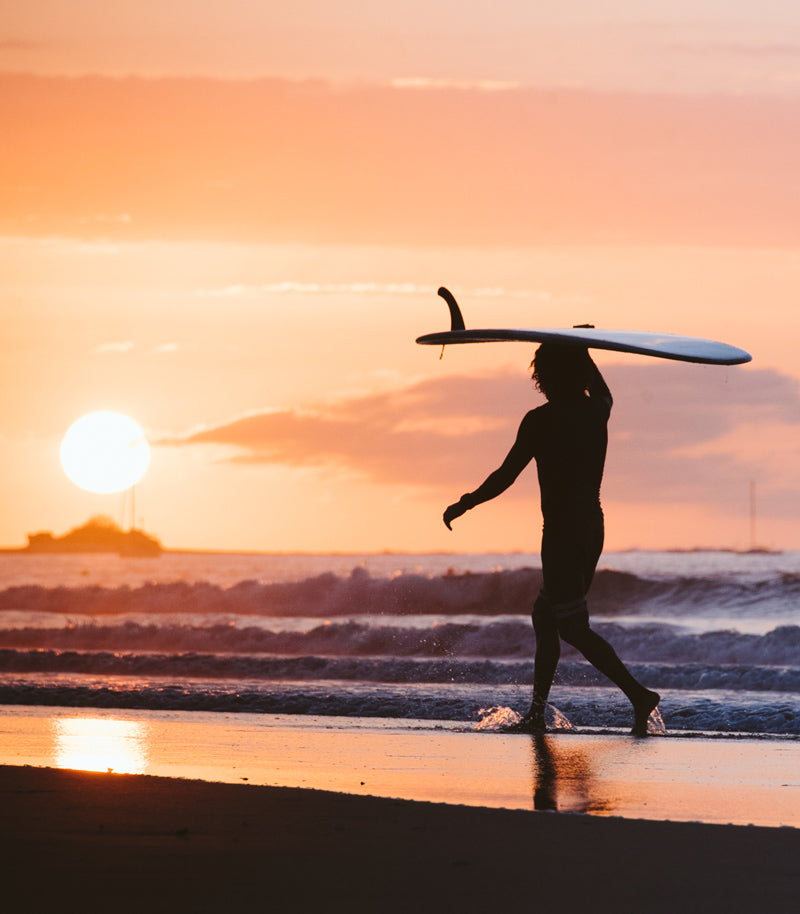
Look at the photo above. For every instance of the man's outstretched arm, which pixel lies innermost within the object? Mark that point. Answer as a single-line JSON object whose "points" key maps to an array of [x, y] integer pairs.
{"points": [[496, 483]]}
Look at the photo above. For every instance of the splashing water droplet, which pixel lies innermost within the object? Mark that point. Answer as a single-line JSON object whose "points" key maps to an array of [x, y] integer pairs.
{"points": [[559, 721], [655, 723], [497, 718]]}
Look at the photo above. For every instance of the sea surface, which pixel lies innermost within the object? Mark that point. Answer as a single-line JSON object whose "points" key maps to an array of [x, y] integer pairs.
{"points": [[425, 637]]}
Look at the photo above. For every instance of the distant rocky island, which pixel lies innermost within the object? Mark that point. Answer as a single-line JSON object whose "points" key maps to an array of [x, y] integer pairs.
{"points": [[98, 534]]}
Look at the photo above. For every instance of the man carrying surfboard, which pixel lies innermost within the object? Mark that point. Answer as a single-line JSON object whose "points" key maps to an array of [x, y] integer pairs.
{"points": [[567, 437]]}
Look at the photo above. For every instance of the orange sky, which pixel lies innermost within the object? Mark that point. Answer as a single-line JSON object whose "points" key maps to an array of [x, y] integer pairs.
{"points": [[242, 265]]}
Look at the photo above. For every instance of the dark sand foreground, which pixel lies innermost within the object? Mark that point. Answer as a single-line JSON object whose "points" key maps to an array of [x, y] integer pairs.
{"points": [[77, 841]]}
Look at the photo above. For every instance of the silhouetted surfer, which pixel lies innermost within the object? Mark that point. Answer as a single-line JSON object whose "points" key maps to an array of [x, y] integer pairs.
{"points": [[567, 437]]}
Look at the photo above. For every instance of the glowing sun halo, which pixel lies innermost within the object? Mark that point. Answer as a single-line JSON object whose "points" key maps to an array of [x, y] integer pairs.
{"points": [[105, 452]]}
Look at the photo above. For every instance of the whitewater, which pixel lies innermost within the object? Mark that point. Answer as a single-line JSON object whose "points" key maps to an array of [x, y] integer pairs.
{"points": [[424, 637]]}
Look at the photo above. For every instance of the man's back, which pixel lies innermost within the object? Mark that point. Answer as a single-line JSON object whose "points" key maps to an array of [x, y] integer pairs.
{"points": [[571, 439]]}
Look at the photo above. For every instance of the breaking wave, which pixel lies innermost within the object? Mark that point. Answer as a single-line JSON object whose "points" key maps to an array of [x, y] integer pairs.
{"points": [[355, 638], [494, 593], [724, 649]]}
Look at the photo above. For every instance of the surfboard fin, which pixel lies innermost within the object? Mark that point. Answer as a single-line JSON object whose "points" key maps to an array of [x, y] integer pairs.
{"points": [[456, 320]]}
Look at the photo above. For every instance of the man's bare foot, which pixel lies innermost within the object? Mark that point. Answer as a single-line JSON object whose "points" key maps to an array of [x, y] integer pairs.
{"points": [[642, 709], [532, 722]]}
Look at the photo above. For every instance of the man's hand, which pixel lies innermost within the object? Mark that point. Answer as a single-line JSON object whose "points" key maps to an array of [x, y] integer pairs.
{"points": [[453, 512]]}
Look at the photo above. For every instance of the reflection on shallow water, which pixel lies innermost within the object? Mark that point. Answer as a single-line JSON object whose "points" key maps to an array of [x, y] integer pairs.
{"points": [[563, 778], [100, 744]]}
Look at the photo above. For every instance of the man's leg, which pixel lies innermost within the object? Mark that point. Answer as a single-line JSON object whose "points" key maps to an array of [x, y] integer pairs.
{"points": [[573, 625], [548, 651]]}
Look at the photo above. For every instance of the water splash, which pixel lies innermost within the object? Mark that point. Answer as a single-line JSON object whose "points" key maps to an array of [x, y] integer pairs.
{"points": [[555, 720], [499, 718], [655, 723]]}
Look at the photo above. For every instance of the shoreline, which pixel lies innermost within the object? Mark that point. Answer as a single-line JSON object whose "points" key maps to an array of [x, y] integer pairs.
{"points": [[739, 781], [98, 842]]}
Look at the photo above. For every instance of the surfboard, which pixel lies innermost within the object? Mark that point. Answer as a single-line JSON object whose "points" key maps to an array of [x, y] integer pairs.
{"points": [[641, 342]]}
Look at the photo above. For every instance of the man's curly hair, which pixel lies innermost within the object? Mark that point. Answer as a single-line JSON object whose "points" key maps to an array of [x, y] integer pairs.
{"points": [[560, 370]]}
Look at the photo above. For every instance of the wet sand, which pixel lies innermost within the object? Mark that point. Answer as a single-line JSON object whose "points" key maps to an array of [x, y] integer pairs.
{"points": [[92, 842], [677, 778]]}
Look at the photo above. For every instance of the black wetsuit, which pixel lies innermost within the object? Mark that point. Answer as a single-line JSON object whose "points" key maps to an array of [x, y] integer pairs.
{"points": [[569, 439]]}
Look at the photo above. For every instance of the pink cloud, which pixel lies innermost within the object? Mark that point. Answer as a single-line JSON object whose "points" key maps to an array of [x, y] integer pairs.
{"points": [[451, 432]]}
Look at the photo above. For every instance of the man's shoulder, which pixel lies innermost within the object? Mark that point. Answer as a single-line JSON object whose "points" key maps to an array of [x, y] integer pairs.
{"points": [[539, 412], [534, 418]]}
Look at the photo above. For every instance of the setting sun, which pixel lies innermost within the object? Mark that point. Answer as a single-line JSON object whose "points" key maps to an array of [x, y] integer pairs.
{"points": [[105, 452]]}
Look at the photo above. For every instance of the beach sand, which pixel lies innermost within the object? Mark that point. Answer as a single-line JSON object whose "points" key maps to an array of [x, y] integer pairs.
{"points": [[112, 842], [95, 842]]}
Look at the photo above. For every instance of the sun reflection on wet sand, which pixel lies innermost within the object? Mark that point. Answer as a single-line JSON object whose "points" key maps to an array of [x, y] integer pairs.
{"points": [[100, 744]]}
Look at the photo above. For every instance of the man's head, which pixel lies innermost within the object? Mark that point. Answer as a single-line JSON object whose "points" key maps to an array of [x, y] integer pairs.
{"points": [[560, 370]]}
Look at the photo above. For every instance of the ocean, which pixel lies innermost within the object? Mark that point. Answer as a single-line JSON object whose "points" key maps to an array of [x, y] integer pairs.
{"points": [[414, 637]]}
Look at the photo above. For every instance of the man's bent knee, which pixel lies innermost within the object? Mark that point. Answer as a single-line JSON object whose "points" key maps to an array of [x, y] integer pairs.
{"points": [[572, 620]]}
